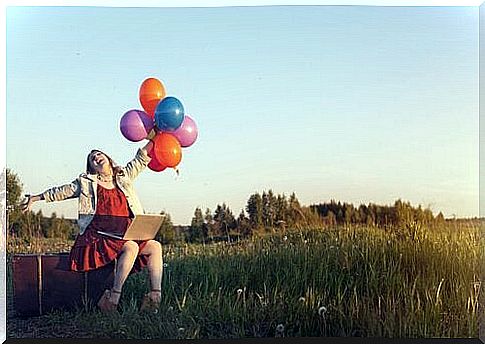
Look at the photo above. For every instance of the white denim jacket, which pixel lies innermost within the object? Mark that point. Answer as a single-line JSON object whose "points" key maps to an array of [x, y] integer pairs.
{"points": [[85, 188]]}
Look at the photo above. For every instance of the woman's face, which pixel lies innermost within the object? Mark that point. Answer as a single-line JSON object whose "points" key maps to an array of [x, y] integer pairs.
{"points": [[99, 162]]}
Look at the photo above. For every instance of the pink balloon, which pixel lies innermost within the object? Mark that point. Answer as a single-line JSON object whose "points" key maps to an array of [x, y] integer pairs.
{"points": [[135, 125], [187, 133]]}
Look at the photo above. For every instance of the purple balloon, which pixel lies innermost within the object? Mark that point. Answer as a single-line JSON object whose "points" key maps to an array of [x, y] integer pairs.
{"points": [[187, 133], [135, 125]]}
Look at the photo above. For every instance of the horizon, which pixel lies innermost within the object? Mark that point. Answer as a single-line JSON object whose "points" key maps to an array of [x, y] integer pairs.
{"points": [[357, 104]]}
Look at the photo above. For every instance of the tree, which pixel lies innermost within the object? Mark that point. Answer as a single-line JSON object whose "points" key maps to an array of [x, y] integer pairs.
{"points": [[254, 209], [348, 213], [242, 224], [224, 220], [58, 227], [294, 214], [208, 224], [166, 234], [14, 190], [196, 229], [269, 208], [16, 220], [280, 208]]}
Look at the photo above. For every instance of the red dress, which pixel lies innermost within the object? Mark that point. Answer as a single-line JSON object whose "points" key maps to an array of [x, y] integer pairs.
{"points": [[92, 250]]}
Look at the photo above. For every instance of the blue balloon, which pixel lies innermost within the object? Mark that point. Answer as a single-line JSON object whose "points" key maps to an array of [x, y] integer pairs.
{"points": [[169, 114]]}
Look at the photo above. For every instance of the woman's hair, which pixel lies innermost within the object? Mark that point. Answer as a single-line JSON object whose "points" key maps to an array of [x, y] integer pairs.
{"points": [[90, 170]]}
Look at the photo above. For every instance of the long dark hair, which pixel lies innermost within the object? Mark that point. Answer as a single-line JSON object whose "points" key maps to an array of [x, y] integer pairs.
{"points": [[90, 170]]}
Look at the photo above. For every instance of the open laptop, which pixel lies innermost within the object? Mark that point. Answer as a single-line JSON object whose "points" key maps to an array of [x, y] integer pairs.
{"points": [[142, 227]]}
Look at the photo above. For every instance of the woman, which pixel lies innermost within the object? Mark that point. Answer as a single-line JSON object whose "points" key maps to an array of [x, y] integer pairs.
{"points": [[107, 202]]}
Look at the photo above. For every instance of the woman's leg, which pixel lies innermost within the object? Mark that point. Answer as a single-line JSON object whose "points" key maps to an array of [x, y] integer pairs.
{"points": [[153, 251], [124, 265]]}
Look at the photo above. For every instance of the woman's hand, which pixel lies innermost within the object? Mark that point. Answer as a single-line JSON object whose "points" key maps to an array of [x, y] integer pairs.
{"points": [[26, 205], [148, 147]]}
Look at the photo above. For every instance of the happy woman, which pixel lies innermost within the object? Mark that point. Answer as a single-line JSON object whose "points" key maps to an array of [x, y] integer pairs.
{"points": [[107, 202]]}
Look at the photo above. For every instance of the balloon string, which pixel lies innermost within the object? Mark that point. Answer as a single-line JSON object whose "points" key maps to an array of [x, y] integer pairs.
{"points": [[177, 171]]}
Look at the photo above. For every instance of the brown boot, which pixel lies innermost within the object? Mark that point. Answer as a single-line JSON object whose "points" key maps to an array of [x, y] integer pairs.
{"points": [[105, 304], [148, 304]]}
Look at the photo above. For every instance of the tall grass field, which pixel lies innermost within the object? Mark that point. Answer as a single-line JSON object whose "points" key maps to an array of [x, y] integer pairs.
{"points": [[339, 281]]}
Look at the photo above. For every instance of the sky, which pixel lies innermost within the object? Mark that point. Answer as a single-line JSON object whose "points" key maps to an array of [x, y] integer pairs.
{"points": [[357, 104]]}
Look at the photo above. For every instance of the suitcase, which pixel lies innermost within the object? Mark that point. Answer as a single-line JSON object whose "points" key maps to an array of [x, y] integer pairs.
{"points": [[43, 282]]}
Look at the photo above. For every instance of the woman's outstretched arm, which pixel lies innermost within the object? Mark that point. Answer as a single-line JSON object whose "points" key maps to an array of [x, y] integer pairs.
{"points": [[57, 193]]}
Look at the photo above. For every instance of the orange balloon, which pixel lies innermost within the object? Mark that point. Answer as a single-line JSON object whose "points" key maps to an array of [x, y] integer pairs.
{"points": [[151, 92], [167, 149], [154, 164]]}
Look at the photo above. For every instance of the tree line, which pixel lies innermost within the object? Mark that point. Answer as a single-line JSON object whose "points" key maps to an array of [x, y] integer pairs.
{"points": [[263, 212], [270, 212]]}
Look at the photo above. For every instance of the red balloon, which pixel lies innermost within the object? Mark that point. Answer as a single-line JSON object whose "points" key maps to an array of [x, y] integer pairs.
{"points": [[167, 149], [151, 92], [154, 164]]}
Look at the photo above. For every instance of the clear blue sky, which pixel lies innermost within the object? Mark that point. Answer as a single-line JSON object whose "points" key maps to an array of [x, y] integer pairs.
{"points": [[358, 104]]}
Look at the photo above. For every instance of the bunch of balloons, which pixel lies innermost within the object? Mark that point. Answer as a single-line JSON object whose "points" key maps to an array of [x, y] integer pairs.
{"points": [[163, 116]]}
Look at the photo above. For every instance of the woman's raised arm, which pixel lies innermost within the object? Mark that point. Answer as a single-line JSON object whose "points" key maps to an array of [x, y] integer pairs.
{"points": [[141, 160]]}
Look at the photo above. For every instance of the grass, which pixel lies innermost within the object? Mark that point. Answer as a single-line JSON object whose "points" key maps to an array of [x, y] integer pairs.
{"points": [[346, 281]]}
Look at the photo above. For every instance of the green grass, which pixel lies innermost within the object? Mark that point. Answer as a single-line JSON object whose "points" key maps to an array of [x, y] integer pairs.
{"points": [[365, 282]]}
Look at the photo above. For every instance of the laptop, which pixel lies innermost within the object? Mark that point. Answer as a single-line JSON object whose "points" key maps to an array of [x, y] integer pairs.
{"points": [[142, 227]]}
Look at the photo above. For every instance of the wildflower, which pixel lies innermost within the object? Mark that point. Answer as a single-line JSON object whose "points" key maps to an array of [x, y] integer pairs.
{"points": [[322, 310], [165, 265], [280, 328], [301, 299], [285, 238], [332, 247], [181, 329], [170, 308], [305, 241], [239, 291]]}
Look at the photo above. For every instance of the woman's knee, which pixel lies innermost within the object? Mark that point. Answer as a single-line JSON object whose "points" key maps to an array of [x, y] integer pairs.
{"points": [[131, 247], [154, 246]]}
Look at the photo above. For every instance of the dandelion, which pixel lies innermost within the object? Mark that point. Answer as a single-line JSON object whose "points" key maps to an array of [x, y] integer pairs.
{"points": [[301, 299], [239, 291], [322, 310], [280, 329]]}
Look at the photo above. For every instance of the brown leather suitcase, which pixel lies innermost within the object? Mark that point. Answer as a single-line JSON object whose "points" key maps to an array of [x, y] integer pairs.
{"points": [[43, 282]]}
